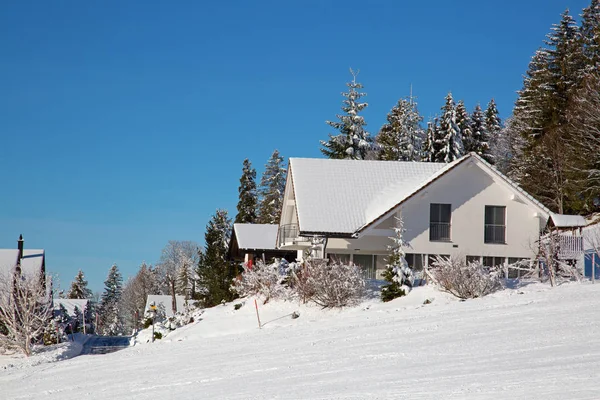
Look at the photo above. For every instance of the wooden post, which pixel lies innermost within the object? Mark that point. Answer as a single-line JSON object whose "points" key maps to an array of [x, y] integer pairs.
{"points": [[594, 267], [257, 316]]}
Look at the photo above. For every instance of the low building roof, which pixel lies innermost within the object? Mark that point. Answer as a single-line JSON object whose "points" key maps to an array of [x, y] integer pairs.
{"points": [[256, 236], [70, 304], [30, 264], [567, 221]]}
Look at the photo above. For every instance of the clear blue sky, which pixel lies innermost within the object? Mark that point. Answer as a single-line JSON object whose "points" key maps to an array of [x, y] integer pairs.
{"points": [[124, 124]]}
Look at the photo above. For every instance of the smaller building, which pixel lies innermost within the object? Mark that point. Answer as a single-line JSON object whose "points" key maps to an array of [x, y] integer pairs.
{"points": [[256, 241], [165, 303], [29, 262]]}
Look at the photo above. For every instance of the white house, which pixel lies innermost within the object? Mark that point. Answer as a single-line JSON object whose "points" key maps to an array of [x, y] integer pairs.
{"points": [[29, 262], [346, 209]]}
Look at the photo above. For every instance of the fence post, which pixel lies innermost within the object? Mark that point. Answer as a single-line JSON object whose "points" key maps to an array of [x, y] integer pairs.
{"points": [[594, 267]]}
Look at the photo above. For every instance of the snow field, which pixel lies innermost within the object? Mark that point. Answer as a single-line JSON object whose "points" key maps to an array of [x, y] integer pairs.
{"points": [[530, 343]]}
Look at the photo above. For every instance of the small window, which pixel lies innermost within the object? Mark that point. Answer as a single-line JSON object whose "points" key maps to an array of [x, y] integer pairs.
{"points": [[472, 259], [495, 224], [432, 258], [415, 261], [493, 261], [339, 258], [365, 261], [439, 222]]}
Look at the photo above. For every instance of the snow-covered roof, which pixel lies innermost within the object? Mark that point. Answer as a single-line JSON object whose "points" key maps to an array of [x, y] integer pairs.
{"points": [[567, 221], [342, 196], [70, 304], [256, 236], [166, 301], [31, 263]]}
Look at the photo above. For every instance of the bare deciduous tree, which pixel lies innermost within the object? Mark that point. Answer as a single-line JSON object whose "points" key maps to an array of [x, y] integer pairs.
{"points": [[25, 309], [177, 256]]}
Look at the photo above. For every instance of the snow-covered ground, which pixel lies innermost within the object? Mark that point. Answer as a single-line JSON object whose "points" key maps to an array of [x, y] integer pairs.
{"points": [[530, 343]]}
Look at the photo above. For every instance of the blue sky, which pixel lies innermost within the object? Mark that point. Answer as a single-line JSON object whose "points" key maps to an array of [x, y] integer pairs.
{"points": [[124, 124]]}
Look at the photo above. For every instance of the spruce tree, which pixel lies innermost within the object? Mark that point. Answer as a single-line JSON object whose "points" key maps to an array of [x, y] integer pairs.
{"points": [[272, 186], [430, 150], [248, 198], [480, 138], [397, 273], [79, 288], [111, 320], [401, 138], [214, 271], [353, 141], [463, 121], [448, 138], [492, 128], [590, 32]]}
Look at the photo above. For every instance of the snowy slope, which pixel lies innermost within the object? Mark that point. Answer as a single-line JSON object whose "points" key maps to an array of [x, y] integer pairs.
{"points": [[541, 344]]}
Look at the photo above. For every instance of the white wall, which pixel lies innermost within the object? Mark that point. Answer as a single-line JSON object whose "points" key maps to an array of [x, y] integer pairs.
{"points": [[468, 189]]}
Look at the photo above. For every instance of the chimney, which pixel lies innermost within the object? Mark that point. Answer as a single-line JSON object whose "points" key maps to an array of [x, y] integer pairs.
{"points": [[20, 247]]}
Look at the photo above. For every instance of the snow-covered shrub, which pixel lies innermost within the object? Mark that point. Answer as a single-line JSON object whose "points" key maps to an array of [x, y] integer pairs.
{"points": [[266, 280], [466, 280], [333, 285]]}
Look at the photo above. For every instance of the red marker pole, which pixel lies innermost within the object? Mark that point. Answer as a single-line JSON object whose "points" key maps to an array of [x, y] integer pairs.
{"points": [[257, 316]]}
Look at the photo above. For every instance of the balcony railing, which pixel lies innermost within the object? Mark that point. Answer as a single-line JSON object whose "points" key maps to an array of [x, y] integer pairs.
{"points": [[495, 233], [290, 234], [439, 231], [571, 247]]}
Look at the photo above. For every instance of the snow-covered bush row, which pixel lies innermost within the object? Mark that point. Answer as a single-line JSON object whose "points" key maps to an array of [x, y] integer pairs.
{"points": [[328, 285], [466, 280]]}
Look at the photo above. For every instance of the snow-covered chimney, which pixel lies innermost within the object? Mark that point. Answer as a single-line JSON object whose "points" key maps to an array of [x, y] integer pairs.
{"points": [[20, 247]]}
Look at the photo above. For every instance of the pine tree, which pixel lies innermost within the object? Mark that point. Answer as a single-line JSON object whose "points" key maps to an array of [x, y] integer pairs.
{"points": [[111, 322], [401, 138], [397, 273], [214, 271], [184, 281], [79, 288], [248, 199], [492, 128], [448, 138], [353, 141], [463, 121], [272, 186]]}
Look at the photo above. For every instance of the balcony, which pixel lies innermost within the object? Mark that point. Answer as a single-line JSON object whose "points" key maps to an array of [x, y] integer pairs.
{"points": [[569, 247], [289, 238], [439, 231]]}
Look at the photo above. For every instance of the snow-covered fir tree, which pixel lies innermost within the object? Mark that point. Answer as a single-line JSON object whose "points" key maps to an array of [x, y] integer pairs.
{"points": [[463, 121], [397, 273], [429, 151], [353, 141], [248, 196], [183, 285], [480, 138], [79, 288], [493, 128], [448, 138], [272, 186], [214, 271], [590, 32], [402, 137], [111, 320]]}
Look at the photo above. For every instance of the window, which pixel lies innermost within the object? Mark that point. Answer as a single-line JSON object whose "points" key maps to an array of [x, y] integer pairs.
{"points": [[495, 224], [341, 258], [415, 261], [365, 261], [472, 259], [433, 258], [493, 261], [439, 222]]}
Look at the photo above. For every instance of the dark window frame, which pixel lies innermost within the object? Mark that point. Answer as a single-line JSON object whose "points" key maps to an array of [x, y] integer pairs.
{"points": [[494, 228], [440, 222]]}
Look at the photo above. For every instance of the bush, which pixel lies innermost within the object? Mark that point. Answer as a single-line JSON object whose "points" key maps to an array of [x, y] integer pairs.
{"points": [[331, 285], [400, 282], [267, 280], [465, 280], [157, 335]]}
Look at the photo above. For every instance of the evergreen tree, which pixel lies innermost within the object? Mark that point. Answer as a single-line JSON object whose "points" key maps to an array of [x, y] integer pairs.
{"points": [[480, 138], [79, 288], [397, 273], [463, 121], [248, 199], [492, 128], [353, 141], [430, 149], [111, 322], [184, 281], [272, 186], [590, 32], [448, 138], [214, 271], [401, 138]]}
